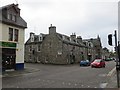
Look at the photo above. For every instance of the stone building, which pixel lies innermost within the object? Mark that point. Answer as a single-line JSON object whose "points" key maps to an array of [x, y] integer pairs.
{"points": [[105, 53], [90, 50], [12, 29], [97, 46], [55, 48]]}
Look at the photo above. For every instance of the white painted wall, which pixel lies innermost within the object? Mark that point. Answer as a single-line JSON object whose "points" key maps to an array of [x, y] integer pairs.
{"points": [[20, 44]]}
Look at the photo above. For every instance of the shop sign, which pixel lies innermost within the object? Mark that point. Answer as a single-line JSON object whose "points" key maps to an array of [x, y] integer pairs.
{"points": [[8, 44]]}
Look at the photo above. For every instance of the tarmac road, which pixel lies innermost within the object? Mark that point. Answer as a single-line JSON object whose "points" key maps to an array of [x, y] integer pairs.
{"points": [[59, 76]]}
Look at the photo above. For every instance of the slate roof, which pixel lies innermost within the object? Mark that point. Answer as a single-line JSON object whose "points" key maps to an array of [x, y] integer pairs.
{"points": [[36, 39], [68, 41], [59, 36], [3, 17], [95, 41]]}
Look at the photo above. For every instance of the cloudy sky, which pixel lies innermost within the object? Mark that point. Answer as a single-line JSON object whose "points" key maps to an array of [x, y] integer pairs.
{"points": [[86, 18]]}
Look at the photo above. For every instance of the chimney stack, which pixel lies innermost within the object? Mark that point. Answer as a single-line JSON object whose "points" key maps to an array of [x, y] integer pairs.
{"points": [[52, 29]]}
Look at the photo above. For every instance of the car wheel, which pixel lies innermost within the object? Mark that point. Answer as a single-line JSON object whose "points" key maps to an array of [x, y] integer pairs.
{"points": [[104, 66]]}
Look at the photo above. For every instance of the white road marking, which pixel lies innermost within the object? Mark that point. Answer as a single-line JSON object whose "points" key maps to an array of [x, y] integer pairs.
{"points": [[75, 84], [69, 83], [103, 85], [111, 72], [82, 85], [102, 75]]}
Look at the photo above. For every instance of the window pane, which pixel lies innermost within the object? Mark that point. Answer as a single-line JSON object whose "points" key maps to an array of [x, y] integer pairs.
{"points": [[8, 16], [16, 35], [10, 34], [14, 18], [38, 47]]}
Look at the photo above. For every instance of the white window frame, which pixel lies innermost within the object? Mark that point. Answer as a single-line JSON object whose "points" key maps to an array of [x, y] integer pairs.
{"points": [[32, 38], [13, 39], [40, 37]]}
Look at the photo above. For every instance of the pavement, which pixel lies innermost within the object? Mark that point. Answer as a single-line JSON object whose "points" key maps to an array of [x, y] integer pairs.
{"points": [[112, 81], [12, 73]]}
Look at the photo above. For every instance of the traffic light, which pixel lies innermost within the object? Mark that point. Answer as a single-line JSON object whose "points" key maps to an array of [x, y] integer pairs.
{"points": [[110, 39]]}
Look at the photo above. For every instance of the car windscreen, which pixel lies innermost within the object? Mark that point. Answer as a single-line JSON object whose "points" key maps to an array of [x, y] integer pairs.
{"points": [[97, 60]]}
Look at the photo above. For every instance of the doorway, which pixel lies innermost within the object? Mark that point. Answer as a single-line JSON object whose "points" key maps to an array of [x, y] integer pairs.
{"points": [[8, 58]]}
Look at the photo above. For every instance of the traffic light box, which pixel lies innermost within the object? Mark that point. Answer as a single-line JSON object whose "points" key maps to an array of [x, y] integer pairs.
{"points": [[110, 39]]}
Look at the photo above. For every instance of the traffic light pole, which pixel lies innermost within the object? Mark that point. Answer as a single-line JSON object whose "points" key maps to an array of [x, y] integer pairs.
{"points": [[117, 62]]}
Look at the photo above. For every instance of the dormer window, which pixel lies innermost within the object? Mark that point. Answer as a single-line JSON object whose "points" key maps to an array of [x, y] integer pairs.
{"points": [[40, 37], [32, 38], [70, 39], [12, 17], [9, 16], [63, 37]]}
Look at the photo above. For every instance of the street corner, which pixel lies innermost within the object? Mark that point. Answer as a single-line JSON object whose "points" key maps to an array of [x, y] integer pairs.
{"points": [[25, 71], [112, 81]]}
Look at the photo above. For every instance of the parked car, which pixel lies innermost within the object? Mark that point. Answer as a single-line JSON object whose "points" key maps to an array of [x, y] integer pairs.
{"points": [[98, 63], [85, 63], [109, 59]]}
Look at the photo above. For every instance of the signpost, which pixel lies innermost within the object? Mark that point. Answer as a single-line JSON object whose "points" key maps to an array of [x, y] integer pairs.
{"points": [[119, 34], [117, 62]]}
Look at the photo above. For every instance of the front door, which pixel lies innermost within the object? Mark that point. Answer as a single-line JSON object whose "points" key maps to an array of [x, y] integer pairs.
{"points": [[8, 58]]}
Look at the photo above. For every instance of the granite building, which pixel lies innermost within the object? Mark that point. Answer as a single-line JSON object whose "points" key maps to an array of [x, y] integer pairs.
{"points": [[97, 46], [55, 48]]}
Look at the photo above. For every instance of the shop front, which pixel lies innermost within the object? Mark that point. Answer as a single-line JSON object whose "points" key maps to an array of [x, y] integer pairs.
{"points": [[8, 55]]}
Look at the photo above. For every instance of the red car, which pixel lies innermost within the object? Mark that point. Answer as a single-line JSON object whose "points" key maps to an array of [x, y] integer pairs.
{"points": [[98, 63]]}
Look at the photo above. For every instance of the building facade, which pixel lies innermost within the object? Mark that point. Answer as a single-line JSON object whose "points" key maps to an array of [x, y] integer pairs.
{"points": [[105, 53], [97, 46], [90, 50], [12, 37], [56, 48]]}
